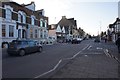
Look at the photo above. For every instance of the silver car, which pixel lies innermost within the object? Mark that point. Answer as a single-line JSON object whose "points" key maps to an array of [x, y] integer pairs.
{"points": [[22, 47]]}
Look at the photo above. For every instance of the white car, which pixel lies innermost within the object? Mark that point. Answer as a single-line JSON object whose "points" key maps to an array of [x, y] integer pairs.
{"points": [[79, 39]]}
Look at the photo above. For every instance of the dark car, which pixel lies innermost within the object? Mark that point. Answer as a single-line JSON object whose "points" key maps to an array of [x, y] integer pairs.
{"points": [[97, 40], [76, 40], [22, 47]]}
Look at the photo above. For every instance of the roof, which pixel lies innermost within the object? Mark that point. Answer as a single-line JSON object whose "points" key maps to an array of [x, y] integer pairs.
{"points": [[73, 21], [17, 7], [32, 2], [65, 22], [112, 25], [50, 26]]}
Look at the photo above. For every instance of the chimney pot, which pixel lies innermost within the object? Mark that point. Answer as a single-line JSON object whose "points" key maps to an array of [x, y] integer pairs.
{"points": [[63, 17]]}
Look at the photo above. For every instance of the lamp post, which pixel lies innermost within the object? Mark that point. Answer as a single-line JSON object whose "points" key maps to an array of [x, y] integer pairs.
{"points": [[100, 30]]}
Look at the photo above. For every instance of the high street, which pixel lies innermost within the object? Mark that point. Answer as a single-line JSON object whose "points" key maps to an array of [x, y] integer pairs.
{"points": [[32, 65], [52, 58]]}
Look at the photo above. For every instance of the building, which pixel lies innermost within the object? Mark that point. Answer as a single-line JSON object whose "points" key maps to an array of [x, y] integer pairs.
{"points": [[66, 29], [114, 30], [52, 33], [22, 22], [81, 33]]}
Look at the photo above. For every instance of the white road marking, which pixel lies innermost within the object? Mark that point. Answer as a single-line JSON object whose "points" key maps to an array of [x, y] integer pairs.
{"points": [[60, 62], [110, 55], [89, 47], [86, 55], [106, 52], [50, 70], [99, 48], [85, 47]]}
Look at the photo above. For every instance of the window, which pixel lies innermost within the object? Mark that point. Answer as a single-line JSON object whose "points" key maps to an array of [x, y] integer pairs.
{"points": [[19, 17], [45, 23], [8, 14], [31, 33], [24, 18], [35, 33], [11, 31], [44, 36], [41, 33], [19, 33], [41, 23], [3, 31], [14, 16], [31, 43], [25, 42], [19, 42], [23, 33], [33, 21]]}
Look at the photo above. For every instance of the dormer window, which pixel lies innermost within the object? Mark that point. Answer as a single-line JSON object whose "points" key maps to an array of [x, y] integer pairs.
{"points": [[24, 18], [8, 14], [41, 23], [33, 20], [45, 23], [21, 17]]}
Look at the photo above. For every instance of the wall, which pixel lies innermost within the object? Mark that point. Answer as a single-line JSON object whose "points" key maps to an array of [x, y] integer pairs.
{"points": [[52, 33], [0, 31]]}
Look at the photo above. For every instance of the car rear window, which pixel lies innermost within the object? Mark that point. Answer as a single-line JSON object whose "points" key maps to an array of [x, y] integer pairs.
{"points": [[16, 42]]}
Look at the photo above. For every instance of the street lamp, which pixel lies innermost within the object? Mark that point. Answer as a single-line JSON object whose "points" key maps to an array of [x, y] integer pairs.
{"points": [[100, 30]]}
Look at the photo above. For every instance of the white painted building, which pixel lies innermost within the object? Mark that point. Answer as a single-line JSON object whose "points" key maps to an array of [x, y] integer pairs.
{"points": [[114, 30], [18, 22]]}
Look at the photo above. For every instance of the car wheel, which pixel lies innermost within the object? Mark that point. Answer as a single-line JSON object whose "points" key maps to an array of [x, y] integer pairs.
{"points": [[22, 52], [40, 49]]}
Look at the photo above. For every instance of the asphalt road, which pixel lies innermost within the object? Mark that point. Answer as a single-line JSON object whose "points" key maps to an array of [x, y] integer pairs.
{"points": [[33, 65]]}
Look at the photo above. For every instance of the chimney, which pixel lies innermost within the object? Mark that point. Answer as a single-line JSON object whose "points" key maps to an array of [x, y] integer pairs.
{"points": [[32, 2], [63, 17]]}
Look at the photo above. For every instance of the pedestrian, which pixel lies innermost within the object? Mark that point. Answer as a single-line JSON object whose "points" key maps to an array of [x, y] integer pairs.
{"points": [[118, 44], [105, 39]]}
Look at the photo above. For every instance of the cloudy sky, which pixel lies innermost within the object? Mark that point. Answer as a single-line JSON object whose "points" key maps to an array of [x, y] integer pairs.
{"points": [[91, 15]]}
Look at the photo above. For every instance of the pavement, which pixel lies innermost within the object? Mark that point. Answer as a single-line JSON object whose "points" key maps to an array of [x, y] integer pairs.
{"points": [[92, 63]]}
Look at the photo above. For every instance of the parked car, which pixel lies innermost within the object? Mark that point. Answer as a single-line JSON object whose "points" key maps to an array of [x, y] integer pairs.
{"points": [[79, 39], [22, 47], [97, 40], [76, 40]]}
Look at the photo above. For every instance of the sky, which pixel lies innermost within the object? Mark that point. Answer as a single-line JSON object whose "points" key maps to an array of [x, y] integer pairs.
{"points": [[92, 16]]}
